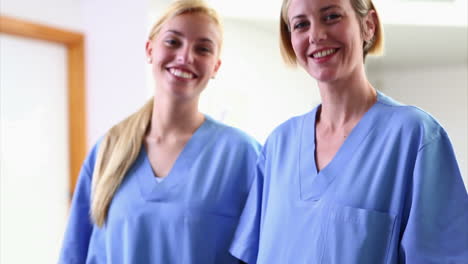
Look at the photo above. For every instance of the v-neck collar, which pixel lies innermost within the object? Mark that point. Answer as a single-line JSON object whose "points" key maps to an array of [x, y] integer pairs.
{"points": [[153, 190], [312, 183]]}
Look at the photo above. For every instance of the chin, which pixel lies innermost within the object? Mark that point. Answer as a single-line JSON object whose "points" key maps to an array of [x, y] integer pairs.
{"points": [[324, 76], [183, 94]]}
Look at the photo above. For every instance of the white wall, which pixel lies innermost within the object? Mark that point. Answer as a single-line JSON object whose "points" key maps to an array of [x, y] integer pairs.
{"points": [[34, 134], [115, 61], [115, 53], [33, 150], [441, 90]]}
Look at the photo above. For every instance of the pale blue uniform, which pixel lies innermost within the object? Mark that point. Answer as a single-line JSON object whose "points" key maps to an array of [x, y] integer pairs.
{"points": [[393, 193], [189, 217]]}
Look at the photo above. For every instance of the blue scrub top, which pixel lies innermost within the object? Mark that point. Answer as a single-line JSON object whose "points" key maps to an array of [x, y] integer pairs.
{"points": [[190, 217], [393, 193]]}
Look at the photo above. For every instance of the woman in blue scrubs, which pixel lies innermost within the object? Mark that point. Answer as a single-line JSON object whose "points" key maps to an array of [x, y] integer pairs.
{"points": [[168, 184], [361, 179]]}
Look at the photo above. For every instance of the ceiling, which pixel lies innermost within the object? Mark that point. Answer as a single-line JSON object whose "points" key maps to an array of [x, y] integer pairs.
{"points": [[423, 45]]}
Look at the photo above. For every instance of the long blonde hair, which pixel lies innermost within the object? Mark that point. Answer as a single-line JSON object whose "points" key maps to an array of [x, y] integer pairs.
{"points": [[121, 145]]}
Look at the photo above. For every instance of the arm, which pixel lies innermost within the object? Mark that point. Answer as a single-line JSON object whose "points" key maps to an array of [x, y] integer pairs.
{"points": [[79, 228], [246, 238], [437, 208]]}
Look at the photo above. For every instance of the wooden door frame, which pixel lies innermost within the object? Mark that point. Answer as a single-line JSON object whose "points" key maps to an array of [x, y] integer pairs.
{"points": [[74, 43]]}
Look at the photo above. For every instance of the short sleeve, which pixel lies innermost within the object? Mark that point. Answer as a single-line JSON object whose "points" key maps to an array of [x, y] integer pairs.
{"points": [[246, 238], [79, 227], [436, 228]]}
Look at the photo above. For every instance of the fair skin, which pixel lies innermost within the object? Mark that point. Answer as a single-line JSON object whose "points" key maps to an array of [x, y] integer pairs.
{"points": [[184, 55], [327, 39]]}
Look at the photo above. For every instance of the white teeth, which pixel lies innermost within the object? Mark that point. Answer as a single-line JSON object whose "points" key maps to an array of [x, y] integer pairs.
{"points": [[182, 74], [323, 53]]}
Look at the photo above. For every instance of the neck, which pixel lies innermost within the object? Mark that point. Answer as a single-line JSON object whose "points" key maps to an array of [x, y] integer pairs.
{"points": [[174, 119], [345, 101]]}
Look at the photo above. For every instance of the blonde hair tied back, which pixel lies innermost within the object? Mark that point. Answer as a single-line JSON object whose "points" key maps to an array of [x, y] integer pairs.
{"points": [[117, 152], [121, 145], [183, 7]]}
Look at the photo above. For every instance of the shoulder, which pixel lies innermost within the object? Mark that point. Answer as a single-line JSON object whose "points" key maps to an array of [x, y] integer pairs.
{"points": [[291, 124], [291, 129], [90, 160], [232, 136], [411, 120]]}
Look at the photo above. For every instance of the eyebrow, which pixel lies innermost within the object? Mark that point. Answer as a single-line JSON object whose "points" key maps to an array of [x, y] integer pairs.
{"points": [[298, 16], [178, 33], [175, 32], [323, 9]]}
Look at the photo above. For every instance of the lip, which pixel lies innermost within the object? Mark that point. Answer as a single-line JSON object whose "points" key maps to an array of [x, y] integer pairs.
{"points": [[325, 58], [181, 68]]}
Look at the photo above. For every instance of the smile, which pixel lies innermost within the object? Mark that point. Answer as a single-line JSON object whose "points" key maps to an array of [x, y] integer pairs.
{"points": [[323, 53], [181, 73]]}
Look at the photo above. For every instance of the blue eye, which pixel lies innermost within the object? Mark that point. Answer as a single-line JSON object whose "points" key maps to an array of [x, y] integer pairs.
{"points": [[332, 17], [171, 42], [301, 25], [204, 50]]}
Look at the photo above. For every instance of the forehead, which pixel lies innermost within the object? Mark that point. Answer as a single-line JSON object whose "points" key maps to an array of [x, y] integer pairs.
{"points": [[298, 7], [193, 25]]}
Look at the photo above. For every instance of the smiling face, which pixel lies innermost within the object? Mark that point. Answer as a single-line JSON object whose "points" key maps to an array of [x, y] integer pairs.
{"points": [[185, 54], [327, 38]]}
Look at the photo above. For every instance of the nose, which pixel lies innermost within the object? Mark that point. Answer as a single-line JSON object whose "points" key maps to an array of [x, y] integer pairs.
{"points": [[317, 33], [184, 55]]}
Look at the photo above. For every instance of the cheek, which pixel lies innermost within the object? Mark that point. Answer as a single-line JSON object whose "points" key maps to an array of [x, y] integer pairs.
{"points": [[298, 45], [211, 66], [355, 36], [157, 62], [358, 46]]}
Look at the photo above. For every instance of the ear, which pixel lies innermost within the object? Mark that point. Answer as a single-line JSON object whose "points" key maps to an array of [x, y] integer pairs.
{"points": [[370, 25], [218, 64], [149, 48]]}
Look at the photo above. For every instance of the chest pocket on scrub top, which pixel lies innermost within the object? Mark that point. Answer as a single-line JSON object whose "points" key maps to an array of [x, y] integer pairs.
{"points": [[357, 236]]}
